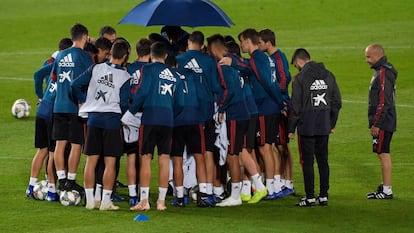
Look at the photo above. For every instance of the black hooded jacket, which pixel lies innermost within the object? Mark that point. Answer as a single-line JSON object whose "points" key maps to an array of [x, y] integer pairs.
{"points": [[315, 102], [381, 109]]}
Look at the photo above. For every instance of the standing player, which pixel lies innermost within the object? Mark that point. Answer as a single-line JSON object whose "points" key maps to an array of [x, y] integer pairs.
{"points": [[382, 115], [284, 163], [206, 68], [106, 99], [43, 130], [108, 32], [155, 96], [67, 126], [316, 102], [143, 49], [269, 101]]}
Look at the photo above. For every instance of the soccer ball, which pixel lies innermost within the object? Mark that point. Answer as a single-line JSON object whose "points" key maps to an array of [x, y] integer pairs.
{"points": [[70, 198], [40, 190], [21, 108]]}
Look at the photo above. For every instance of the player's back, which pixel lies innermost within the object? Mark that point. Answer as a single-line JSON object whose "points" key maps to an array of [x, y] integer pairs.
{"points": [[69, 64]]}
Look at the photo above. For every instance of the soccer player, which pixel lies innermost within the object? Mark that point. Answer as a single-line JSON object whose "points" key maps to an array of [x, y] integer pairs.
{"points": [[67, 126], [104, 48], [155, 96], [188, 134], [234, 104], [107, 97], [269, 101], [108, 32], [206, 68], [316, 102], [382, 115], [284, 163], [143, 49]]}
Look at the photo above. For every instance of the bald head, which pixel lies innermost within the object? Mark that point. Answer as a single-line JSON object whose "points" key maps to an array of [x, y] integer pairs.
{"points": [[373, 53]]}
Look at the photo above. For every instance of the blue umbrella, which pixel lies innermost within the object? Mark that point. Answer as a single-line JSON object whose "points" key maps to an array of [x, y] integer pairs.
{"points": [[191, 13]]}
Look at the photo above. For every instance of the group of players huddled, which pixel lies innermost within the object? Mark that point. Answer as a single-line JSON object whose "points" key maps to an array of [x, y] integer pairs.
{"points": [[189, 99]]}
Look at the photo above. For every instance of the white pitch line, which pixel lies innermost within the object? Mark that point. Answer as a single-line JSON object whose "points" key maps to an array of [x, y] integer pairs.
{"points": [[16, 78]]}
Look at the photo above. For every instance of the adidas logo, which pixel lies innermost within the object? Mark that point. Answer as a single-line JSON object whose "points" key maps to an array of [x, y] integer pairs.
{"points": [[193, 65], [166, 74], [107, 80], [318, 85], [66, 61]]}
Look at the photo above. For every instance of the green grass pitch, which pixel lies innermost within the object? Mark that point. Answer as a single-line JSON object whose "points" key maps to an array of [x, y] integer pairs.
{"points": [[335, 32]]}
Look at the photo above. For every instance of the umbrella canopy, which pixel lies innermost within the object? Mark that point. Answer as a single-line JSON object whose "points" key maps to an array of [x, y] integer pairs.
{"points": [[191, 13]]}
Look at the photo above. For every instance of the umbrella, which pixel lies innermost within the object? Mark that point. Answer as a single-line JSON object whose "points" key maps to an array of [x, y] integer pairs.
{"points": [[191, 13]]}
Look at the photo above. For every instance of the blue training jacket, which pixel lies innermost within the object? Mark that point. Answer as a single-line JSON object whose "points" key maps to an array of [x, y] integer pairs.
{"points": [[193, 104], [282, 73], [68, 65], [206, 67], [233, 99], [155, 96]]}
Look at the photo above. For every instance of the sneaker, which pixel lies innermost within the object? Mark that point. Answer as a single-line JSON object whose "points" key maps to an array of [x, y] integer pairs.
{"points": [[219, 198], [133, 201], [274, 196], [62, 184], [379, 194], [178, 202], [29, 191], [257, 196], [230, 202], [93, 205], [322, 201], [51, 196], [245, 197], [72, 185], [108, 206], [204, 200], [121, 185], [289, 191], [306, 202], [116, 198], [279, 195]]}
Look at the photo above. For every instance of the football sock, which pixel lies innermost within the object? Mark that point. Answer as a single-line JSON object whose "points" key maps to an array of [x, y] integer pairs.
{"points": [[106, 196], [51, 187], [89, 196], [209, 189], [218, 190], [132, 188], [246, 187], [98, 192], [32, 181], [283, 181], [235, 190], [277, 184], [202, 187], [61, 174], [71, 176], [144, 193], [258, 182], [270, 185], [387, 189], [162, 192], [180, 191]]}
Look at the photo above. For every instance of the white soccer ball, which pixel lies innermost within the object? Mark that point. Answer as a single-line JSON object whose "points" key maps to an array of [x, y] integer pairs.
{"points": [[21, 108], [40, 190], [70, 198]]}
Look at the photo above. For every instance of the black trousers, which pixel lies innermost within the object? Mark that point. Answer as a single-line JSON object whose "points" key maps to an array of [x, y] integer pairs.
{"points": [[311, 147]]}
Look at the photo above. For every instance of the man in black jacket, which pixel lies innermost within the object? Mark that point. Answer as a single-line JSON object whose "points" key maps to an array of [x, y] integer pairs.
{"points": [[316, 102], [382, 116]]}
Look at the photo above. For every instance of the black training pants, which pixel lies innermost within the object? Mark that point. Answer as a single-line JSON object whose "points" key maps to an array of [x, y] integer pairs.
{"points": [[310, 146]]}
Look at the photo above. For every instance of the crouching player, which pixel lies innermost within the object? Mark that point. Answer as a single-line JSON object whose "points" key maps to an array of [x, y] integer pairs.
{"points": [[106, 99]]}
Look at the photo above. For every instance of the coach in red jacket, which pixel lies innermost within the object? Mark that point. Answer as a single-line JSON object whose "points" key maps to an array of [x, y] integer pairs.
{"points": [[381, 114]]}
